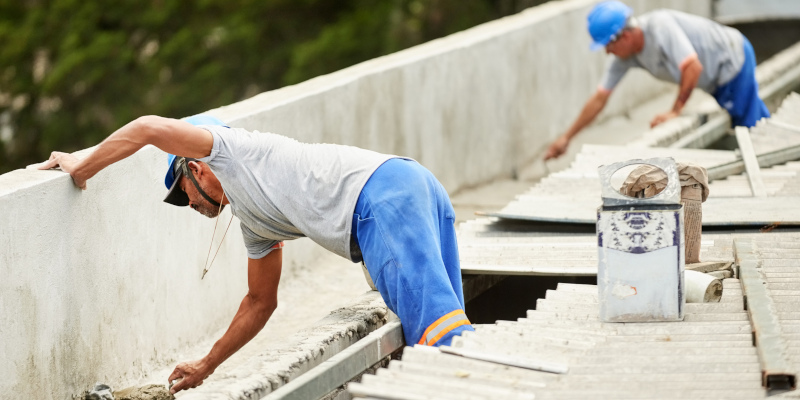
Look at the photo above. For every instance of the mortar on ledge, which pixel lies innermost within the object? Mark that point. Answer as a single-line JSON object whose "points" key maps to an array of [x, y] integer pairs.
{"points": [[144, 392]]}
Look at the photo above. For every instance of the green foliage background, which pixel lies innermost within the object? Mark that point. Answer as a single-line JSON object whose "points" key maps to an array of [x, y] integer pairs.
{"points": [[73, 71]]}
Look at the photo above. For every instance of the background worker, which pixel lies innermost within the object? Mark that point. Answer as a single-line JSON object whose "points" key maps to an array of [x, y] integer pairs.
{"points": [[677, 47], [388, 211]]}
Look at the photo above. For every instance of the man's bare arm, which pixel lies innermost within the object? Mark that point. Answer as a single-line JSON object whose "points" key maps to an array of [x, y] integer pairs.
{"points": [[255, 310], [593, 106], [171, 135], [691, 69]]}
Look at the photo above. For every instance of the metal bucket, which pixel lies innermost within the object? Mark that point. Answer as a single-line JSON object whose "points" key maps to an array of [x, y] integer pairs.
{"points": [[641, 250]]}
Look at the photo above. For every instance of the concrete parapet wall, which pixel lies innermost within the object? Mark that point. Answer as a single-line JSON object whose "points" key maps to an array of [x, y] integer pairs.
{"points": [[101, 285], [737, 11], [281, 363], [779, 75]]}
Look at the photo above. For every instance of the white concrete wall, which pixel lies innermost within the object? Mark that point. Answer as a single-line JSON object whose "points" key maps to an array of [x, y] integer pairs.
{"points": [[472, 106], [100, 285], [738, 11]]}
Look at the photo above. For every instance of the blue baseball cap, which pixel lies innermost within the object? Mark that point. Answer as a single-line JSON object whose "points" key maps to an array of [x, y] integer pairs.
{"points": [[175, 164], [605, 22]]}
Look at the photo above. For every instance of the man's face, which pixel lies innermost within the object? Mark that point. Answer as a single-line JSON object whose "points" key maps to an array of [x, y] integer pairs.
{"points": [[622, 46], [197, 201]]}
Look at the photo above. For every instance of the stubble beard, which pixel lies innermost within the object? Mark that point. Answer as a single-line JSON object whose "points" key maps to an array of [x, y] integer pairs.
{"points": [[209, 210]]}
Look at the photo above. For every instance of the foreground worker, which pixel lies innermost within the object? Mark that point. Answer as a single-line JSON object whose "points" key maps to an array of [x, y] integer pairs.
{"points": [[677, 47], [389, 211]]}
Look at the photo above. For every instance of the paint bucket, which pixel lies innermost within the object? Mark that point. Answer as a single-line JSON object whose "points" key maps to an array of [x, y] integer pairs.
{"points": [[641, 250]]}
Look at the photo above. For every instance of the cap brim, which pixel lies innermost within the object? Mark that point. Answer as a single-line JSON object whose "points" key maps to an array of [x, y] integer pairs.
{"points": [[176, 196], [169, 178], [596, 46]]}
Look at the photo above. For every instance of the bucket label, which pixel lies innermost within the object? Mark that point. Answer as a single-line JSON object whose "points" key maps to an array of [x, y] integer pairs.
{"points": [[637, 232]]}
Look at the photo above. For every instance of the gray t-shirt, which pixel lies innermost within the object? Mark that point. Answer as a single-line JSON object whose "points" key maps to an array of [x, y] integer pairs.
{"points": [[282, 189], [672, 36]]}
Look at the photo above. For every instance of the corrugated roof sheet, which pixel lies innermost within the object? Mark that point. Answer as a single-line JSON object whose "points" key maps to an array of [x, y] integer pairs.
{"points": [[573, 195], [486, 248], [708, 355], [711, 354]]}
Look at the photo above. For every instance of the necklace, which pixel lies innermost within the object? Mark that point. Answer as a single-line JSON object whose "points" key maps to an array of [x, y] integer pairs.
{"points": [[207, 266]]}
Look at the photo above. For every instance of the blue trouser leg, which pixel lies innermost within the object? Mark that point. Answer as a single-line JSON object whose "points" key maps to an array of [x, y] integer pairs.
{"points": [[404, 224], [740, 95]]}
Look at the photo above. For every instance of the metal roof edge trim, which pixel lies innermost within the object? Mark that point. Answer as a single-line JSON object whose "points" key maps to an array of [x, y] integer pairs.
{"points": [[344, 366], [776, 369]]}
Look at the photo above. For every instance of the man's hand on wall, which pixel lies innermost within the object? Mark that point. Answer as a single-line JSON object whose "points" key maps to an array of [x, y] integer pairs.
{"points": [[663, 117], [557, 148], [190, 375], [68, 163]]}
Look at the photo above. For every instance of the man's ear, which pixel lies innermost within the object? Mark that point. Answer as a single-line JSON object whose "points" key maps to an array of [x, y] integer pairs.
{"points": [[195, 168]]}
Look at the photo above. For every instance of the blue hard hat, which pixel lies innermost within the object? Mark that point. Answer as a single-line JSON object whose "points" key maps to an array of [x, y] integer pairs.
{"points": [[605, 21], [175, 195]]}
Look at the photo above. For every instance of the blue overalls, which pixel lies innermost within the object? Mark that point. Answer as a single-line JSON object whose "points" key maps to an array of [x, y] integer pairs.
{"points": [[404, 225], [740, 95]]}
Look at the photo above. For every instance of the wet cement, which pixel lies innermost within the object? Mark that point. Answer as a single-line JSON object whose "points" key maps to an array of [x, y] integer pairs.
{"points": [[146, 392]]}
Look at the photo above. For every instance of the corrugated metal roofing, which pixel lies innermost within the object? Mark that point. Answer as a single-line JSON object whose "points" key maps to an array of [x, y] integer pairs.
{"points": [[781, 130], [573, 195], [712, 353], [489, 246], [708, 355]]}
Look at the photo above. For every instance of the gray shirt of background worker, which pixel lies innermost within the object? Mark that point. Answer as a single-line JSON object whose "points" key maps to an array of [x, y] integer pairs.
{"points": [[671, 38], [674, 44]]}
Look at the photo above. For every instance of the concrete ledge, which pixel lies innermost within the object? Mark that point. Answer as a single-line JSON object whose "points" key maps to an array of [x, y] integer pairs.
{"points": [[308, 348], [779, 75], [103, 284]]}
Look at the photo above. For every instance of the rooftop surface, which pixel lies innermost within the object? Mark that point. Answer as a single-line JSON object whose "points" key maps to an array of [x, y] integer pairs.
{"points": [[745, 346]]}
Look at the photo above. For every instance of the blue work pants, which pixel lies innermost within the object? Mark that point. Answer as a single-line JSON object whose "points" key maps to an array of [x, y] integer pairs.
{"points": [[740, 95], [404, 225]]}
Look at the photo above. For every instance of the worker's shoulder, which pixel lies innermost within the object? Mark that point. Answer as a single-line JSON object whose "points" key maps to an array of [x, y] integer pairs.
{"points": [[241, 141], [663, 16], [664, 13], [242, 133], [661, 22], [658, 17]]}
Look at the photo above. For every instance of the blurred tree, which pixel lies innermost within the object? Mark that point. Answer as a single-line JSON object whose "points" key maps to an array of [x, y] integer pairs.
{"points": [[73, 71], [371, 29]]}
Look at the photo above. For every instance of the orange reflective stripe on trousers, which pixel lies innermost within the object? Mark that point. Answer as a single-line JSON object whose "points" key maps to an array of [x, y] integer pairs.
{"points": [[442, 326]]}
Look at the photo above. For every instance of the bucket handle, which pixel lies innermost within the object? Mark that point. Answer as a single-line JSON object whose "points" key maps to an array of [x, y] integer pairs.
{"points": [[670, 195]]}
